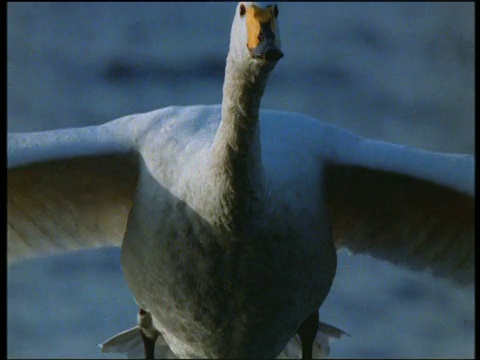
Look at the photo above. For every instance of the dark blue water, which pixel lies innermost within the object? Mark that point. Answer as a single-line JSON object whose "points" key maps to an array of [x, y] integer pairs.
{"points": [[399, 72]]}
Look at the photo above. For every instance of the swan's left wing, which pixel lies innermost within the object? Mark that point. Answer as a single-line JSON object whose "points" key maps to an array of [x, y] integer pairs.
{"points": [[406, 205]]}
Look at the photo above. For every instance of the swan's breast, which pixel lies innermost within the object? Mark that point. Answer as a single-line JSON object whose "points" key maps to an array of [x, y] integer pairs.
{"points": [[218, 295], [213, 293]]}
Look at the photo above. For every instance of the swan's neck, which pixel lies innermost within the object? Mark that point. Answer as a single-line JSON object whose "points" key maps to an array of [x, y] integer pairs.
{"points": [[236, 151]]}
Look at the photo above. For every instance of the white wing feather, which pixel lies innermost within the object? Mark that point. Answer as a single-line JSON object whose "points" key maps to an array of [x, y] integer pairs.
{"points": [[406, 205], [70, 188]]}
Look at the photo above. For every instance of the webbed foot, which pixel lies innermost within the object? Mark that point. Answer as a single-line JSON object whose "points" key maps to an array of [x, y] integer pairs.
{"points": [[307, 332]]}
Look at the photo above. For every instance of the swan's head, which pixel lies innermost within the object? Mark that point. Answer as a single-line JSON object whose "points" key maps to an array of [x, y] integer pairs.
{"points": [[255, 36]]}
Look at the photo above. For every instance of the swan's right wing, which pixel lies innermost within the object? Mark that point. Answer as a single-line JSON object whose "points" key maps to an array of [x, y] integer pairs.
{"points": [[69, 189]]}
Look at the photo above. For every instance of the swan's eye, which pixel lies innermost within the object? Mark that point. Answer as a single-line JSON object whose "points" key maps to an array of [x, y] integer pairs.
{"points": [[275, 11], [260, 37], [242, 10]]}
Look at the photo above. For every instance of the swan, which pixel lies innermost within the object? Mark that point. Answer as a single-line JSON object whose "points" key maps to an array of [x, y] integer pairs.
{"points": [[211, 203]]}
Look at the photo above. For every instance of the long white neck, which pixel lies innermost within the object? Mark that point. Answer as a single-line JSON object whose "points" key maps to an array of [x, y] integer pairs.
{"points": [[236, 150]]}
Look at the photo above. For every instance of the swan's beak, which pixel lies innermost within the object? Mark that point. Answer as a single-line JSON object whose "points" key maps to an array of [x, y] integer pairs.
{"points": [[266, 48], [267, 51], [261, 30]]}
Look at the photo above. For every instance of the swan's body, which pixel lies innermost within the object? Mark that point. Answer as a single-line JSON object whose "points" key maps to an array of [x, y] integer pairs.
{"points": [[228, 214]]}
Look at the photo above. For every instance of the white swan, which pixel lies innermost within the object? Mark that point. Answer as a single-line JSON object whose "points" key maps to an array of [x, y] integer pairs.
{"points": [[237, 249]]}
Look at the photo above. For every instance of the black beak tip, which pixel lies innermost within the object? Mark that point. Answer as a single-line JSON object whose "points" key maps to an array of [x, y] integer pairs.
{"points": [[273, 54]]}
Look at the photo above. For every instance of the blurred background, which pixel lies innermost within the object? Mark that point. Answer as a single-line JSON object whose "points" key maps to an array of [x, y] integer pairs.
{"points": [[401, 72]]}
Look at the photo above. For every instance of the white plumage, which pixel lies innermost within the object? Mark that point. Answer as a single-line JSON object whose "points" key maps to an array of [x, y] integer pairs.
{"points": [[227, 213]]}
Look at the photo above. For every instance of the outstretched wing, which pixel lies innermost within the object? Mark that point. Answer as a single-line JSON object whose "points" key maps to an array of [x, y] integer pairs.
{"points": [[409, 206], [401, 204], [69, 189]]}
